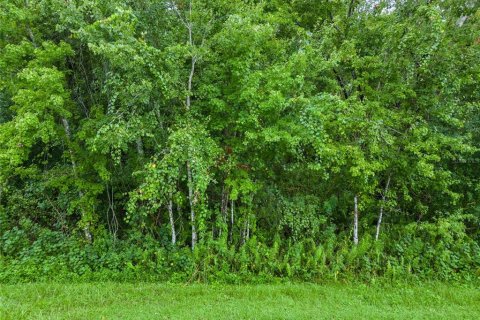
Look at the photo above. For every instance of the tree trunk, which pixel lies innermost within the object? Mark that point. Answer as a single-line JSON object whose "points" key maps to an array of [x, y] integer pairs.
{"points": [[223, 210], [172, 220], [139, 143], [355, 221], [232, 221], [188, 102], [193, 60], [380, 215], [192, 205], [113, 223]]}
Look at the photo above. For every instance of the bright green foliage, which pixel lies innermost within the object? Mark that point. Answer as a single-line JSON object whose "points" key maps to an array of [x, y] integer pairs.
{"points": [[127, 127], [279, 301]]}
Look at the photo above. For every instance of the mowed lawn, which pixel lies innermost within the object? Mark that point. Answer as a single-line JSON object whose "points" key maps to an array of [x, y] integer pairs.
{"points": [[284, 301]]}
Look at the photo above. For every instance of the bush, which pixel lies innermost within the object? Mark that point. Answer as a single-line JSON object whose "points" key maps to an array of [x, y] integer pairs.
{"points": [[440, 250]]}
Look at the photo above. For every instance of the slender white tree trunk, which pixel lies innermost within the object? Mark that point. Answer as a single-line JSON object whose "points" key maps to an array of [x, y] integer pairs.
{"points": [[192, 204], [188, 103], [172, 220], [379, 222], [355, 220], [232, 220], [380, 215], [223, 211], [139, 143]]}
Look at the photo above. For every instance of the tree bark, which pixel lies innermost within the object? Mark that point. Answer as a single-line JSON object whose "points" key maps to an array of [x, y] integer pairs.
{"points": [[192, 204], [247, 234], [139, 143], [113, 223], [172, 220], [232, 221], [380, 215], [223, 210], [355, 221], [188, 103]]}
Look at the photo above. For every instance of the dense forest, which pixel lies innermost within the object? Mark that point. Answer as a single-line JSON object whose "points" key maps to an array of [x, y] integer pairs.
{"points": [[239, 139]]}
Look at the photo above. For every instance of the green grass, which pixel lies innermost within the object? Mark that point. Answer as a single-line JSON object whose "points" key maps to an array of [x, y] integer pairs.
{"points": [[285, 301]]}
